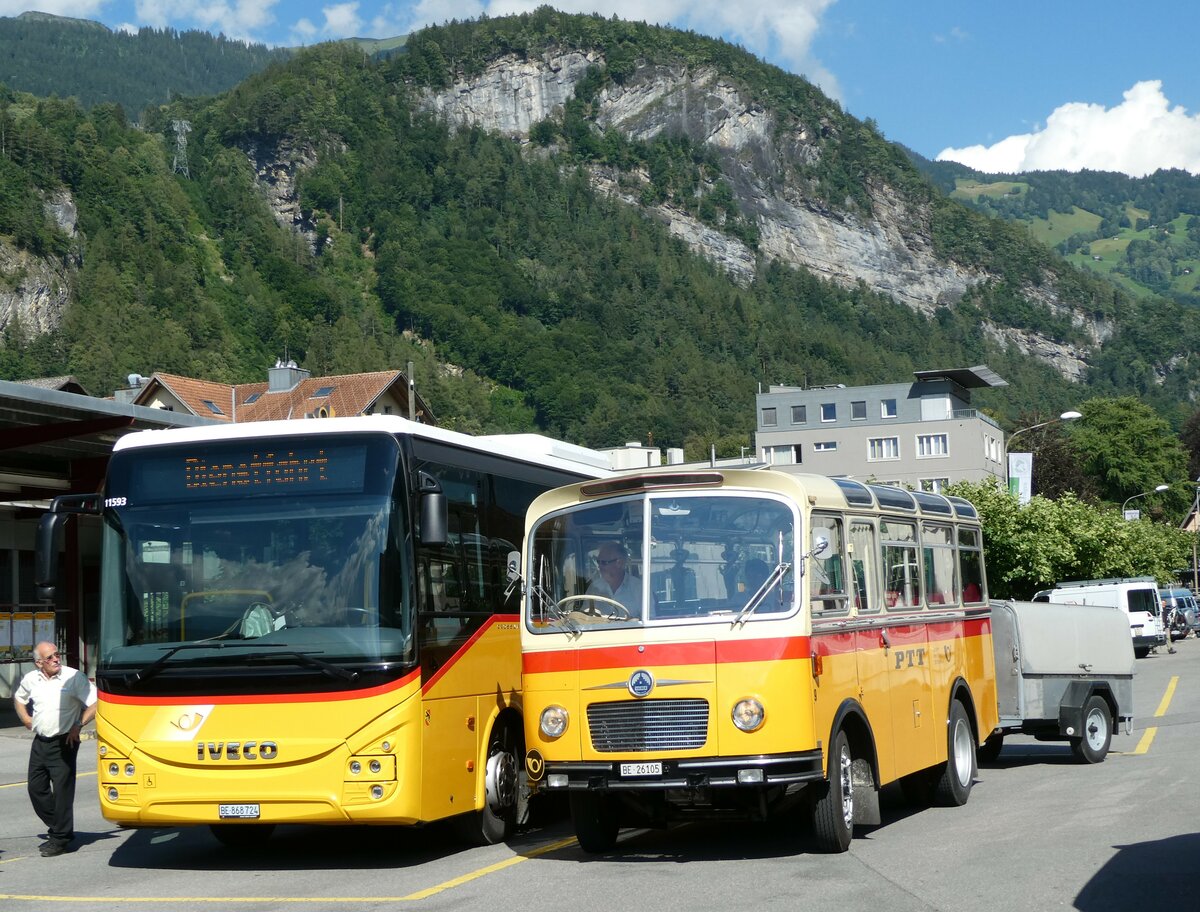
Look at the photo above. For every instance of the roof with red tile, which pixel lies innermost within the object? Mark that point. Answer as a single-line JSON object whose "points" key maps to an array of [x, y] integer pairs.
{"points": [[345, 395]]}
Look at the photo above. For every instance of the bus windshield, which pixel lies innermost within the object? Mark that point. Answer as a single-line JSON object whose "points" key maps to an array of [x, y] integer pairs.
{"points": [[237, 562], [658, 559]]}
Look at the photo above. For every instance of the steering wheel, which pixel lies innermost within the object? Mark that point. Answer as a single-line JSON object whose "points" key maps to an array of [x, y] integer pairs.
{"points": [[619, 612], [360, 617]]}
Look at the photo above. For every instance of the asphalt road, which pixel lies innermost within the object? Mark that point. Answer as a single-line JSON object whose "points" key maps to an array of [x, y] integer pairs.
{"points": [[1040, 832]]}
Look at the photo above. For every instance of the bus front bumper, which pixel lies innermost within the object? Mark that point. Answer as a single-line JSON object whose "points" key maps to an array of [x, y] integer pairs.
{"points": [[689, 773]]}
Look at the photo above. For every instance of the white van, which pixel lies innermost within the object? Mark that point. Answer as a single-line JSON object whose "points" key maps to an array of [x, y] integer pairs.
{"points": [[1137, 596]]}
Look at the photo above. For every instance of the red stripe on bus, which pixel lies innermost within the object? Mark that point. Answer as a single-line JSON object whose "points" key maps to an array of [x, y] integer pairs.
{"points": [[659, 654], [244, 699], [466, 647]]}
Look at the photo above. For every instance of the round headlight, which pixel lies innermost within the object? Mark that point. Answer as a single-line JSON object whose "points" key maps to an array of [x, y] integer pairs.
{"points": [[554, 721], [355, 767], [748, 714]]}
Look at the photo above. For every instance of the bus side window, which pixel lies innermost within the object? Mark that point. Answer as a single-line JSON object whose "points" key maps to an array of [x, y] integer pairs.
{"points": [[863, 557], [827, 571]]}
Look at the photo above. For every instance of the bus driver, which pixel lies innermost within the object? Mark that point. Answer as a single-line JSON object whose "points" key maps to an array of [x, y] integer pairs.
{"points": [[614, 581]]}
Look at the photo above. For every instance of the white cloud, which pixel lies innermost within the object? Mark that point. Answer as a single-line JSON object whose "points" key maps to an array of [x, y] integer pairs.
{"points": [[1138, 136], [783, 29], [79, 9], [236, 19], [342, 20]]}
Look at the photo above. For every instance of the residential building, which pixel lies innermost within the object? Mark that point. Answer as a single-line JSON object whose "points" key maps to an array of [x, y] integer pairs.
{"points": [[921, 434], [289, 392]]}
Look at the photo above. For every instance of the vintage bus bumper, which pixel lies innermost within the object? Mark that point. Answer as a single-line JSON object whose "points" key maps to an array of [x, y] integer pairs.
{"points": [[689, 773]]}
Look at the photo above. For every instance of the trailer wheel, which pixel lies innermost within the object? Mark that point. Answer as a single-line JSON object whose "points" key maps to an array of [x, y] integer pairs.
{"points": [[1097, 731], [954, 785], [833, 811], [989, 751], [595, 820]]}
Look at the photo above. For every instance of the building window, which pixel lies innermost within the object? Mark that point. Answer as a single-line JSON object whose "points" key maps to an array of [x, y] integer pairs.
{"points": [[934, 485], [991, 448], [932, 445], [858, 411], [212, 407], [825, 446], [768, 417], [791, 454], [887, 408], [799, 414], [883, 448], [828, 411]]}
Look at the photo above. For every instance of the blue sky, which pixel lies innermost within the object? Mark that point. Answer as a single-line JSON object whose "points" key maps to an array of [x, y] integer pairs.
{"points": [[1014, 86]]}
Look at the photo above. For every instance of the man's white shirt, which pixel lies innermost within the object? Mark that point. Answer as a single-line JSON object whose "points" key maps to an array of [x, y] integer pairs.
{"points": [[58, 702]]}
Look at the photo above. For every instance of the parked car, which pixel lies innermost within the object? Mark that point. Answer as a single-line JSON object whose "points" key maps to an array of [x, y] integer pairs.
{"points": [[1186, 608]]}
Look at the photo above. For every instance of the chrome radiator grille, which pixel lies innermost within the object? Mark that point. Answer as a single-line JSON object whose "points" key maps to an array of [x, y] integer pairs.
{"points": [[648, 725]]}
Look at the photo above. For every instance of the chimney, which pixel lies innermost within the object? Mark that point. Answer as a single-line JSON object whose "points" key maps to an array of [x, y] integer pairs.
{"points": [[285, 376]]}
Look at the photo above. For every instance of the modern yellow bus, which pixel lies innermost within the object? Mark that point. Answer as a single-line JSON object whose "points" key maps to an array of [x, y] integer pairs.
{"points": [[309, 622], [734, 643]]}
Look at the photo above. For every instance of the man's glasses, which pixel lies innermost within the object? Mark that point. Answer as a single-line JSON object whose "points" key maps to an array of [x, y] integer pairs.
{"points": [[53, 656], [605, 563]]}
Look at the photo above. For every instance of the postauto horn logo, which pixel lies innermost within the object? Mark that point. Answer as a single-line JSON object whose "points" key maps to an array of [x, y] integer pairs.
{"points": [[641, 682]]}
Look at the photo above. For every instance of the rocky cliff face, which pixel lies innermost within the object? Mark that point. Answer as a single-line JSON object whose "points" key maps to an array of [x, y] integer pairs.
{"points": [[34, 290], [891, 250]]}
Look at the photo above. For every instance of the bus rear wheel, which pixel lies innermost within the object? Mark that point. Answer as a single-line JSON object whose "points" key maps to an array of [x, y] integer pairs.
{"points": [[833, 810], [953, 786]]}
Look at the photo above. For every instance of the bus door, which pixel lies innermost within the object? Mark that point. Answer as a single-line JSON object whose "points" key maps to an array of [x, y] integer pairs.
{"points": [[872, 657], [906, 647]]}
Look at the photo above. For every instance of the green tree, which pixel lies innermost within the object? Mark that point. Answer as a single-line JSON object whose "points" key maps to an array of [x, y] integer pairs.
{"points": [[1126, 448]]}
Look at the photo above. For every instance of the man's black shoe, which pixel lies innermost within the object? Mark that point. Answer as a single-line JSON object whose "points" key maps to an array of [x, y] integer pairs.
{"points": [[50, 849]]}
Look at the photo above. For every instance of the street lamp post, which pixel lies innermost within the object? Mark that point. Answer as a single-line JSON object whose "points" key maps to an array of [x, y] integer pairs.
{"points": [[1065, 416], [1157, 490]]}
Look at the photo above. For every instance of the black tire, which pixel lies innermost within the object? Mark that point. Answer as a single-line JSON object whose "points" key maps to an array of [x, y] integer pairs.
{"points": [[242, 836], [1140, 652], [917, 787], [595, 820], [989, 751], [1093, 746], [953, 786], [833, 810], [503, 773]]}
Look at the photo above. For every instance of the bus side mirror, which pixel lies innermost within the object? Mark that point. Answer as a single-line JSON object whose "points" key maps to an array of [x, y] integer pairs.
{"points": [[512, 566], [49, 526], [435, 515]]}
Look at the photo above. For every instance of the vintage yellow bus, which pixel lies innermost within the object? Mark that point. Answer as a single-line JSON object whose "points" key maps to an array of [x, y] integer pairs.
{"points": [[734, 643], [309, 622]]}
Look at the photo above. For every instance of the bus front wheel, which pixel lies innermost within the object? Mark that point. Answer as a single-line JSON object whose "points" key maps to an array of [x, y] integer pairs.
{"points": [[595, 820], [833, 810], [503, 776]]}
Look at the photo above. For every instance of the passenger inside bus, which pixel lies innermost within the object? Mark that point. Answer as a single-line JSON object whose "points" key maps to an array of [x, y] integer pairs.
{"points": [[614, 581]]}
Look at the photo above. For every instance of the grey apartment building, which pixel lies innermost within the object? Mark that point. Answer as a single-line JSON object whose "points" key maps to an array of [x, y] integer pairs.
{"points": [[922, 434]]}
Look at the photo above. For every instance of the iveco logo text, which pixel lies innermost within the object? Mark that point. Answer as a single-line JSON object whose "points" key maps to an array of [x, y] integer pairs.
{"points": [[641, 682], [236, 750]]}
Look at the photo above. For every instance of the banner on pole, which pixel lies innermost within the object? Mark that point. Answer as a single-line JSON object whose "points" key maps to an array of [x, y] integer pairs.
{"points": [[1020, 476]]}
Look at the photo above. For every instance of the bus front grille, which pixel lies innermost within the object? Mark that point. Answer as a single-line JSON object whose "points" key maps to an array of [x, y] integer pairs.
{"points": [[648, 725]]}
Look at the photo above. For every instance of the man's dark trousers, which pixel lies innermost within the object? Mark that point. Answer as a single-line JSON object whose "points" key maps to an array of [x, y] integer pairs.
{"points": [[52, 785]]}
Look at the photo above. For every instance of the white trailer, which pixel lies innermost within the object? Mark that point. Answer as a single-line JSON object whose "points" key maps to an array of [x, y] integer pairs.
{"points": [[1064, 672]]}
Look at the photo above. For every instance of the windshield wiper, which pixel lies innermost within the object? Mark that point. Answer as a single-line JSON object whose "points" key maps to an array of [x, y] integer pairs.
{"points": [[306, 658], [158, 664], [772, 580]]}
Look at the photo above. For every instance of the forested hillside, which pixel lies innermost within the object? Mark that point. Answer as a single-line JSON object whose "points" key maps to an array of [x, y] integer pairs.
{"points": [[1142, 233], [51, 55], [562, 307]]}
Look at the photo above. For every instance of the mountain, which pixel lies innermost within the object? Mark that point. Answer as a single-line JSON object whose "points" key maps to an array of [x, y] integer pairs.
{"points": [[614, 231], [53, 55], [1141, 233]]}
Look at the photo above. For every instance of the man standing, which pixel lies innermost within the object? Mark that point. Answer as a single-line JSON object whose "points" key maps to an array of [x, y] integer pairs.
{"points": [[63, 702]]}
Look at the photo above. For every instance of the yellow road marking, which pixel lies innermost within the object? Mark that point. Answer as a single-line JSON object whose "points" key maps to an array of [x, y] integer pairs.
{"points": [[1166, 700], [10, 785], [1149, 733], [330, 900]]}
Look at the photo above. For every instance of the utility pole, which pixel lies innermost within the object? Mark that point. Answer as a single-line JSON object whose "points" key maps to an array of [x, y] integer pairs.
{"points": [[180, 164]]}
